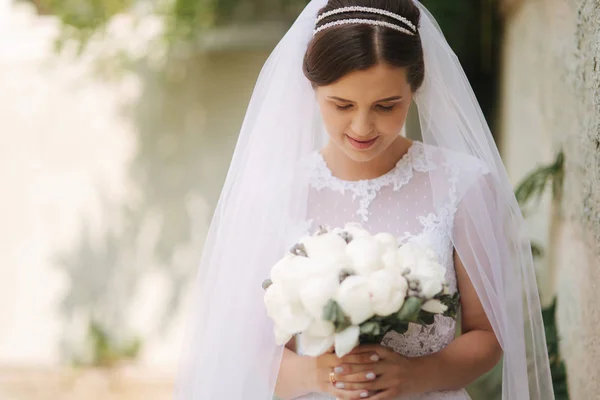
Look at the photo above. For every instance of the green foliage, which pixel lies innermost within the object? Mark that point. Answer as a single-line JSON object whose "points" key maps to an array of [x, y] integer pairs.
{"points": [[333, 312], [530, 191], [557, 366], [105, 351], [534, 185]]}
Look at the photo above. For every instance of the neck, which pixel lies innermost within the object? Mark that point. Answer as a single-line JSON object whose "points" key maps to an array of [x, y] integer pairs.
{"points": [[345, 168]]}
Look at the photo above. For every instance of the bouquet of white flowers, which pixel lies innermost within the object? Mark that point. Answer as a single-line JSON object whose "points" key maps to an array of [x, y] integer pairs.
{"points": [[345, 287]]}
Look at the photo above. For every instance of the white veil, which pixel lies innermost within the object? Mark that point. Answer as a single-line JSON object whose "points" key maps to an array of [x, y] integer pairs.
{"points": [[230, 351]]}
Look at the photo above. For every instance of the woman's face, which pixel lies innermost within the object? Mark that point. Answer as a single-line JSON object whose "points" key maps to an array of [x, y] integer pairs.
{"points": [[365, 111]]}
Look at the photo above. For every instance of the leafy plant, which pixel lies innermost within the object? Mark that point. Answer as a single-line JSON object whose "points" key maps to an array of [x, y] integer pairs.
{"points": [[557, 366], [105, 351], [534, 185], [531, 190]]}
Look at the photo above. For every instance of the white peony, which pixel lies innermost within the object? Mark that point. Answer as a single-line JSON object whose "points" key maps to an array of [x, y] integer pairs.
{"points": [[346, 340], [424, 267], [314, 346], [320, 328], [317, 292], [388, 242], [430, 287], [390, 261], [434, 306], [365, 255], [282, 336], [388, 291], [292, 273], [355, 299], [411, 253], [289, 315], [325, 247]]}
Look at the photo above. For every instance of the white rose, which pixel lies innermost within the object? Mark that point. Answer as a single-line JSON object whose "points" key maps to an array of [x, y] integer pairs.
{"points": [[346, 340], [355, 300], [434, 306], [314, 346], [365, 255], [388, 291], [289, 316], [317, 292], [388, 242]]}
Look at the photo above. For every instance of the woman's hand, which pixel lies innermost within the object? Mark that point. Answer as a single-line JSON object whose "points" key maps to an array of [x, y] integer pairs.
{"points": [[380, 372], [327, 363]]}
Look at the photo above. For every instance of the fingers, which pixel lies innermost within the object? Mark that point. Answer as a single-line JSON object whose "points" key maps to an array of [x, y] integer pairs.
{"points": [[382, 351], [373, 348], [374, 380], [348, 369], [360, 377], [369, 357]]}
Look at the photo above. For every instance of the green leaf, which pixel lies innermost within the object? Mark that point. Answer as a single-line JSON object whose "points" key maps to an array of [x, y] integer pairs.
{"points": [[333, 312], [266, 284], [330, 310], [410, 310], [370, 328], [426, 318], [400, 327]]}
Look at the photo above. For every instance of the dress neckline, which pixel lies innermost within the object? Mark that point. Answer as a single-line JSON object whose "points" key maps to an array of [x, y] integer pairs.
{"points": [[413, 156]]}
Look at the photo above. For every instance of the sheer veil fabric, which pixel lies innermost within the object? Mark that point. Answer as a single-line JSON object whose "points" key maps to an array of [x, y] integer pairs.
{"points": [[230, 350]]}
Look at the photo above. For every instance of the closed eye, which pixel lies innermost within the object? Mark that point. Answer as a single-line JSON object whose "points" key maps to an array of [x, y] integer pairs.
{"points": [[386, 108], [343, 108]]}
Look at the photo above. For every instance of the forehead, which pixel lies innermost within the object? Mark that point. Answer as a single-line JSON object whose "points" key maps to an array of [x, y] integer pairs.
{"points": [[378, 82]]}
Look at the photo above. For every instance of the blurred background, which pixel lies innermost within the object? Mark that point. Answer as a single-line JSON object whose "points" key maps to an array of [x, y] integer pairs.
{"points": [[117, 122]]}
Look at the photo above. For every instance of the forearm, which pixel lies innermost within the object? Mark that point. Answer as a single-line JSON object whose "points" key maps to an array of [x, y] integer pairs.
{"points": [[463, 361], [294, 379]]}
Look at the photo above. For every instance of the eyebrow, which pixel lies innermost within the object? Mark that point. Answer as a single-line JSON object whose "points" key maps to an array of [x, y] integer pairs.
{"points": [[393, 98]]}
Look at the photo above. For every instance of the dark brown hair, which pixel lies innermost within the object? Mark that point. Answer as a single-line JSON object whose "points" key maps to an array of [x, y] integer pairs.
{"points": [[339, 50]]}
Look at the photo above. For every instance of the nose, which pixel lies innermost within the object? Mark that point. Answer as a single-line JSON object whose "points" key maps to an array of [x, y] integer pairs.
{"points": [[362, 125]]}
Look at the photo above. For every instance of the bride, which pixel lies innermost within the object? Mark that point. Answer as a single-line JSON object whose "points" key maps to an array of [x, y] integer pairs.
{"points": [[322, 144]]}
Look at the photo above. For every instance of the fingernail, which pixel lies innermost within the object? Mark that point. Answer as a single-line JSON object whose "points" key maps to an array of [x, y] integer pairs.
{"points": [[338, 370], [374, 357], [364, 394], [370, 375], [340, 385]]}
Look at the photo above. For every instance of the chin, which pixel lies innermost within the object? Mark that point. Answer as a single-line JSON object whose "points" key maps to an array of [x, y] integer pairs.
{"points": [[361, 155]]}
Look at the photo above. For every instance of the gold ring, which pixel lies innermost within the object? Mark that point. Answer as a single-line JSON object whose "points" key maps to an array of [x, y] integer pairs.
{"points": [[332, 378]]}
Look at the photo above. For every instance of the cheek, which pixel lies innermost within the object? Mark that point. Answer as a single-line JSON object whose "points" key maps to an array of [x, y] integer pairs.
{"points": [[392, 124], [335, 121]]}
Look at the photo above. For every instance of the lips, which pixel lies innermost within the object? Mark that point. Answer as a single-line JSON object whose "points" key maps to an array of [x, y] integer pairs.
{"points": [[361, 144]]}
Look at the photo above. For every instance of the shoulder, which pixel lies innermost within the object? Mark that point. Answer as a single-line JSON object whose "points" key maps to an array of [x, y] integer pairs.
{"points": [[461, 171]]}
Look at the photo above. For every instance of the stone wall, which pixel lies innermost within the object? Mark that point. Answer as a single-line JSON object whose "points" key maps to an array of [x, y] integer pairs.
{"points": [[551, 102]]}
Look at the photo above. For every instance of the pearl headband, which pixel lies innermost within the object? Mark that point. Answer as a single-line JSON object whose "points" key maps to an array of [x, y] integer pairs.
{"points": [[412, 31]]}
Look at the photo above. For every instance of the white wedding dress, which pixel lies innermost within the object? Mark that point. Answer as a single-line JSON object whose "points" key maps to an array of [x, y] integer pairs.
{"points": [[400, 202]]}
